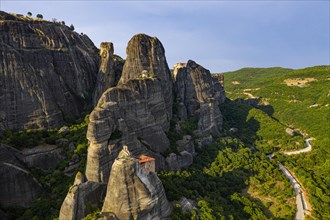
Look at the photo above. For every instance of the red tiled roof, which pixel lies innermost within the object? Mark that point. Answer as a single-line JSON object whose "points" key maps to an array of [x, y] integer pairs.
{"points": [[144, 158]]}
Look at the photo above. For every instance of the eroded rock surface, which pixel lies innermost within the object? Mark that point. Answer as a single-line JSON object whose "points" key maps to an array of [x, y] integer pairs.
{"points": [[17, 185], [199, 94], [146, 58], [44, 156], [2, 123], [134, 193], [47, 71], [186, 144], [178, 161], [110, 70], [136, 112], [81, 195]]}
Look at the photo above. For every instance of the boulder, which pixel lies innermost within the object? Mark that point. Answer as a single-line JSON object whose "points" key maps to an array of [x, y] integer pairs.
{"points": [[81, 195], [289, 131], [63, 129], [17, 185], [204, 141], [187, 205], [177, 162], [186, 144], [43, 156]]}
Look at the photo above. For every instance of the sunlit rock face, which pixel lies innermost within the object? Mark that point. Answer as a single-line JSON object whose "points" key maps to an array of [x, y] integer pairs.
{"points": [[137, 112], [110, 70], [199, 94], [134, 193], [47, 72], [146, 58]]}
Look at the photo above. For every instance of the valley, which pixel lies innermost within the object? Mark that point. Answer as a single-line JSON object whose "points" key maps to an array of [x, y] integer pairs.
{"points": [[86, 134]]}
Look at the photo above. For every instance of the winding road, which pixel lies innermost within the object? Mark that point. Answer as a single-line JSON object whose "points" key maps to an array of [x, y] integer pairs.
{"points": [[305, 150], [300, 198]]}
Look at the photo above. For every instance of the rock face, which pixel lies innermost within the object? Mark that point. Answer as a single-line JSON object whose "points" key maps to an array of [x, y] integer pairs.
{"points": [[133, 193], [146, 58], [177, 162], [17, 186], [204, 141], [81, 195], [186, 144], [2, 123], [46, 72], [136, 112], [198, 94], [110, 70], [187, 205], [44, 156]]}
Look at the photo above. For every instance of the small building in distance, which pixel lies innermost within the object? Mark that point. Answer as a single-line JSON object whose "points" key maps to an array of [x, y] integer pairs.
{"points": [[148, 163]]}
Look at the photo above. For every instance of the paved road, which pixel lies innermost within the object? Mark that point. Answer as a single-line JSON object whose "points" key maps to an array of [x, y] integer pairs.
{"points": [[307, 149], [300, 199]]}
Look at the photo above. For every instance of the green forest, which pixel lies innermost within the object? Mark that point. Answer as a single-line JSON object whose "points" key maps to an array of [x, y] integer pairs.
{"points": [[298, 99]]}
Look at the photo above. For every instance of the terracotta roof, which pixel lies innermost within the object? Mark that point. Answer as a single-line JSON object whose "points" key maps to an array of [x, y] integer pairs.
{"points": [[144, 158]]}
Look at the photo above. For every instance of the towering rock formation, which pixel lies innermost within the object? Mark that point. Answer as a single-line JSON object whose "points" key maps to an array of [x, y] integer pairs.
{"points": [[136, 112], [134, 193], [110, 70], [146, 58], [198, 94], [46, 72]]}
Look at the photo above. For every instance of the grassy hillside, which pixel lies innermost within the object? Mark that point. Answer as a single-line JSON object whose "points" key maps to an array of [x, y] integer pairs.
{"points": [[299, 99]]}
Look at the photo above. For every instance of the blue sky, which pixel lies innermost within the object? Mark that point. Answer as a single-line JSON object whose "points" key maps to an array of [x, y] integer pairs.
{"points": [[219, 35]]}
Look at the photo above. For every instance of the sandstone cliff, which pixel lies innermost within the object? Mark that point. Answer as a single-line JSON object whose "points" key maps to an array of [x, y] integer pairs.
{"points": [[136, 112], [110, 70], [134, 193], [47, 71], [198, 94], [146, 58], [81, 195], [17, 185], [43, 156]]}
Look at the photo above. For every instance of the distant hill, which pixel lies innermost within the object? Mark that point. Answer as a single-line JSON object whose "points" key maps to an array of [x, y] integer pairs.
{"points": [[299, 99]]}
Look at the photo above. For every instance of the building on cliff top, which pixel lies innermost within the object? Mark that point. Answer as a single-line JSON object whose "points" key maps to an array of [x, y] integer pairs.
{"points": [[147, 162]]}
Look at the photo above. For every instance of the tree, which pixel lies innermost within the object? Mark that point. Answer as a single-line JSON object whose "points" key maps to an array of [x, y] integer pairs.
{"points": [[29, 14], [40, 16]]}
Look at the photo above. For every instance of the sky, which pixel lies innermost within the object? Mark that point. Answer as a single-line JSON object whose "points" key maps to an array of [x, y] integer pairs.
{"points": [[219, 35]]}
